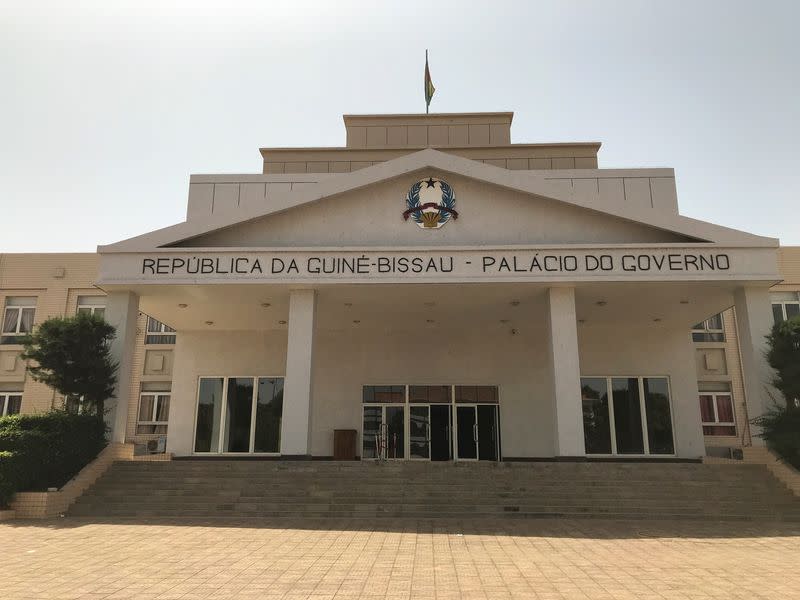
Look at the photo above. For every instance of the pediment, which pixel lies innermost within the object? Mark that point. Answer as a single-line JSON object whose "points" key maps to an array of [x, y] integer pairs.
{"points": [[487, 214], [496, 206]]}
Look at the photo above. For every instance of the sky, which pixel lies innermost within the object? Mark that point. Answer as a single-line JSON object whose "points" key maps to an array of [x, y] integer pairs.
{"points": [[107, 107]]}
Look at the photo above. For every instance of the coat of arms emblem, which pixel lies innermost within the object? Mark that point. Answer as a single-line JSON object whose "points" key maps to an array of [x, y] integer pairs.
{"points": [[430, 203]]}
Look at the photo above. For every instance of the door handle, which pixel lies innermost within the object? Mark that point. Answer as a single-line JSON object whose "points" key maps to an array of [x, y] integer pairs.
{"points": [[475, 432], [427, 433]]}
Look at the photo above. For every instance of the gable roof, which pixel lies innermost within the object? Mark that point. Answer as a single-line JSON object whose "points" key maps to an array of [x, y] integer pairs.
{"points": [[522, 181]]}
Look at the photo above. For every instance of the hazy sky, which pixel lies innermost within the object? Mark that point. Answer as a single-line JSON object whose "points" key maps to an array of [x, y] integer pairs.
{"points": [[106, 107]]}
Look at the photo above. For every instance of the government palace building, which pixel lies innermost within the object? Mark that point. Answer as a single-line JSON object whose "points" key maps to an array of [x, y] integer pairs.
{"points": [[429, 291]]}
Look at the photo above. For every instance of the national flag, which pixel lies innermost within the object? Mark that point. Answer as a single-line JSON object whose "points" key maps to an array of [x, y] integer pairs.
{"points": [[429, 89]]}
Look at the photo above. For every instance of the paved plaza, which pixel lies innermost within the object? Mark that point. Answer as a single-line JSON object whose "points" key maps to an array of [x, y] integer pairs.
{"points": [[72, 558]]}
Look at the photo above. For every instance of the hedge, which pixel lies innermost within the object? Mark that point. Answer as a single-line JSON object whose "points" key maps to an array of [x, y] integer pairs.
{"points": [[46, 450], [780, 429]]}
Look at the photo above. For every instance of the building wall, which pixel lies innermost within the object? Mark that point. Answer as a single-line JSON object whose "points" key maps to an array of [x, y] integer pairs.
{"points": [[57, 280], [345, 361]]}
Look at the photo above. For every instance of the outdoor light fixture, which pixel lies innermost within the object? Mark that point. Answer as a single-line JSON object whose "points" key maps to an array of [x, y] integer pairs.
{"points": [[182, 305], [601, 303], [356, 321], [514, 303], [348, 304], [281, 322], [684, 302], [657, 320], [265, 305], [209, 322]]}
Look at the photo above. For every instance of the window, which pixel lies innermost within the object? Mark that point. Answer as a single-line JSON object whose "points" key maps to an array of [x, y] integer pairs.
{"points": [[153, 413], [239, 414], [92, 305], [77, 405], [785, 305], [158, 333], [627, 415], [716, 413], [710, 330], [17, 319], [10, 403]]}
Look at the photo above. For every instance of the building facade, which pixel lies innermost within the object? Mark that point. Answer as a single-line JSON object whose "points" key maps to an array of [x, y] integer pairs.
{"points": [[441, 292]]}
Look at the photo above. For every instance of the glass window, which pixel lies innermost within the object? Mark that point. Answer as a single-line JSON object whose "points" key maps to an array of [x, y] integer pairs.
{"points": [[249, 420], [429, 394], [384, 394], [159, 333], [596, 422], [777, 312], [18, 319], [209, 411], [10, 403], [627, 415], [269, 410], [657, 414], [92, 305], [238, 414], [710, 330], [153, 413], [482, 394], [716, 413]]}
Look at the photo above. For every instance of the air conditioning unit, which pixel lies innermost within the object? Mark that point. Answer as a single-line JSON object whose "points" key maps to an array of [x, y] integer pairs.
{"points": [[158, 446]]}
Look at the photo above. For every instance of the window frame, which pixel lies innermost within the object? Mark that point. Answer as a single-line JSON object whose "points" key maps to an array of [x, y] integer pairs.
{"points": [[164, 330], [643, 416], [92, 308], [16, 333], [222, 416], [158, 398], [5, 398], [782, 304], [710, 332], [717, 423]]}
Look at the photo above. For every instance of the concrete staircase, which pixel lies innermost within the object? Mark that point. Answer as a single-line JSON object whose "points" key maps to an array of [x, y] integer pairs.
{"points": [[254, 488]]}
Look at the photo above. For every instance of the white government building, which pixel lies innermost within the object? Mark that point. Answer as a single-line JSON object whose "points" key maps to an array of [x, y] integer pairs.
{"points": [[444, 294]]}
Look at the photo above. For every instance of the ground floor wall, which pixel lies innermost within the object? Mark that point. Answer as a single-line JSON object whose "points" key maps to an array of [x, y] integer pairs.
{"points": [[514, 361]]}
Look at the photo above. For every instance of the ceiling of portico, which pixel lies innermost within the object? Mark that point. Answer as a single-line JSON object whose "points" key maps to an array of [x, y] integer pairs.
{"points": [[446, 307]]}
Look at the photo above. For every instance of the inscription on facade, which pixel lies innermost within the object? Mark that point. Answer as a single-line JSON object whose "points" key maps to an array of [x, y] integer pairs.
{"points": [[282, 265]]}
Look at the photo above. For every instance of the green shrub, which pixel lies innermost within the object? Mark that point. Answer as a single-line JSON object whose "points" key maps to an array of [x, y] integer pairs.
{"points": [[8, 476], [46, 450], [780, 429]]}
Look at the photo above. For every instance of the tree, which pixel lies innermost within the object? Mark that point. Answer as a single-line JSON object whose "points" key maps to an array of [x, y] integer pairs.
{"points": [[784, 356], [72, 355]]}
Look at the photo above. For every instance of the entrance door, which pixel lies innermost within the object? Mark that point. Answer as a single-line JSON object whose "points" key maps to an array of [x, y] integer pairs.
{"points": [[477, 432], [419, 432], [487, 432], [383, 432], [441, 424], [467, 432]]}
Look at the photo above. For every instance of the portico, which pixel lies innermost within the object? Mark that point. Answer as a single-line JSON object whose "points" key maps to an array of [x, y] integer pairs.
{"points": [[514, 317]]}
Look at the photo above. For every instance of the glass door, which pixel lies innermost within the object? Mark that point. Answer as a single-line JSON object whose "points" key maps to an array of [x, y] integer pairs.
{"points": [[466, 432], [440, 432], [383, 432], [419, 432], [488, 439]]}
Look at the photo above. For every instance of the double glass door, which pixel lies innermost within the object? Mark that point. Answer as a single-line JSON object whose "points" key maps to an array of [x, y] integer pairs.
{"points": [[435, 423], [476, 427], [430, 432]]}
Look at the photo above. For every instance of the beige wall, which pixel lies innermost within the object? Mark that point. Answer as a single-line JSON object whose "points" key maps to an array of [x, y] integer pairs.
{"points": [[57, 280], [482, 137], [372, 216], [347, 360]]}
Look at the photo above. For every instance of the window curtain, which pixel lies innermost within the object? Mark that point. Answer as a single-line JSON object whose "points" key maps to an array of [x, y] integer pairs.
{"points": [[26, 323], [10, 320]]}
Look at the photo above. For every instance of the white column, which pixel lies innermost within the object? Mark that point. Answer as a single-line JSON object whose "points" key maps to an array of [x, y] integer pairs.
{"points": [[296, 421], [753, 322], [565, 371], [122, 311]]}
